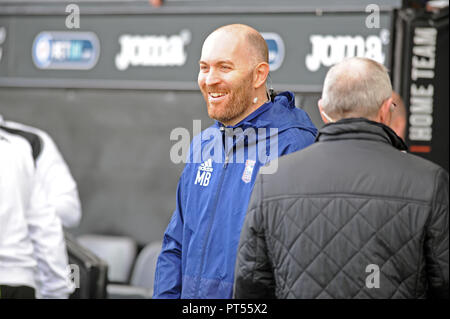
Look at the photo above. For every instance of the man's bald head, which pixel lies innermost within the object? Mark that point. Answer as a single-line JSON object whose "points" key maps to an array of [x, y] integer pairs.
{"points": [[355, 87], [251, 37]]}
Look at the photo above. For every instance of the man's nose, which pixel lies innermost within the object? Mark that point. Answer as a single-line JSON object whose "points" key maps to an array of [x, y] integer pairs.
{"points": [[212, 78]]}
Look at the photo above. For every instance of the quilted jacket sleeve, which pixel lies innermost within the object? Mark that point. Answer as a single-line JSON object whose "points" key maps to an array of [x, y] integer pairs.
{"points": [[253, 274], [436, 240]]}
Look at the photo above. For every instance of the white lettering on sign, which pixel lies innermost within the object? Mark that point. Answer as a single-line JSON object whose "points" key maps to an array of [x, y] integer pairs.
{"points": [[328, 50], [152, 50], [421, 96], [423, 53]]}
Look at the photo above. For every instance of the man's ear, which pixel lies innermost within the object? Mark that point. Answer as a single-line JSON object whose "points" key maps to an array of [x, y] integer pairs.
{"points": [[260, 74], [385, 112], [324, 119]]}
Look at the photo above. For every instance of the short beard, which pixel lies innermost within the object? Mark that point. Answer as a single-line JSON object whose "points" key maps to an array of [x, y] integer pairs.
{"points": [[239, 103]]}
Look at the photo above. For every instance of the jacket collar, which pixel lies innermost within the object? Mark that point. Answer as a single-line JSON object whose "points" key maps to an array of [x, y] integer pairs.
{"points": [[360, 128], [271, 114]]}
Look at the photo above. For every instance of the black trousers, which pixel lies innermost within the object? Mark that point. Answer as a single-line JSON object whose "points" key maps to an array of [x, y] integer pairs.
{"points": [[20, 292]]}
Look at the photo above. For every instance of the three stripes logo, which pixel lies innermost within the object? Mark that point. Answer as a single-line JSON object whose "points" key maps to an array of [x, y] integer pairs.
{"points": [[204, 173]]}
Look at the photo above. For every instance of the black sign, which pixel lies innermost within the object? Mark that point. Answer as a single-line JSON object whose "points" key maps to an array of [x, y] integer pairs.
{"points": [[422, 56], [162, 51]]}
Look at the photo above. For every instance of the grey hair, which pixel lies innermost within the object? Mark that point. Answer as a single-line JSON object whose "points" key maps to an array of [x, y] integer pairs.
{"points": [[355, 87]]}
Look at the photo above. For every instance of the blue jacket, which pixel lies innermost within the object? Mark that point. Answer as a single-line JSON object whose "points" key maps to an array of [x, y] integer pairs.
{"points": [[199, 249]]}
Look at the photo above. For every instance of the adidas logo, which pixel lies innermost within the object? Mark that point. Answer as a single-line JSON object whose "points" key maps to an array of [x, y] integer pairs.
{"points": [[206, 166], [204, 173]]}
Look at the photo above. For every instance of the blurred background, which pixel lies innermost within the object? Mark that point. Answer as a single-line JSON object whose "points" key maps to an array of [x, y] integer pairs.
{"points": [[110, 80]]}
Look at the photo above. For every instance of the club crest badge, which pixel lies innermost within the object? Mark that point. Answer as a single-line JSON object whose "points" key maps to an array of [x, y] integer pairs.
{"points": [[248, 171]]}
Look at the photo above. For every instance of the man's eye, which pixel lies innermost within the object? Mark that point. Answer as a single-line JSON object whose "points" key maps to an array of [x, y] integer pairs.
{"points": [[226, 67], [203, 67]]}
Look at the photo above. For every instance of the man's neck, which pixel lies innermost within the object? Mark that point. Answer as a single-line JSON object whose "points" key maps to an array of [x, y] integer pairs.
{"points": [[252, 108]]}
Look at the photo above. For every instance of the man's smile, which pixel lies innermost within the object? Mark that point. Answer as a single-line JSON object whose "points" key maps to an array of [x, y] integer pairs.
{"points": [[216, 96]]}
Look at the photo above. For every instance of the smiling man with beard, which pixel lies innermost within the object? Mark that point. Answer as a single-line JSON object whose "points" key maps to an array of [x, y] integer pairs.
{"points": [[228, 71], [200, 243]]}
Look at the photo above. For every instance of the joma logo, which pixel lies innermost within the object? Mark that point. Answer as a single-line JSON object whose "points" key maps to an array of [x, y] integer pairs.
{"points": [[329, 50]]}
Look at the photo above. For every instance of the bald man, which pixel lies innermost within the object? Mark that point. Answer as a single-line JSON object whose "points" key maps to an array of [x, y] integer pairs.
{"points": [[250, 130]]}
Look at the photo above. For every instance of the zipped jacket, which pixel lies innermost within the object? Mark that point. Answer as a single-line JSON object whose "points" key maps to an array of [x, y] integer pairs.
{"points": [[200, 243]]}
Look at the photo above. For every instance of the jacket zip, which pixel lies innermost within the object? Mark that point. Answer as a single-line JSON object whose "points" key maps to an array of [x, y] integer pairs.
{"points": [[216, 199]]}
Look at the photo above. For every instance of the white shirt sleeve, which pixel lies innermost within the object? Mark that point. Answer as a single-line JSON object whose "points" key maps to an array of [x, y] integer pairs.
{"points": [[58, 184], [46, 233], [55, 177]]}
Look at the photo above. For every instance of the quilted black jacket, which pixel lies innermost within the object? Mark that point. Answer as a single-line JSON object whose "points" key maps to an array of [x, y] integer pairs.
{"points": [[351, 216]]}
